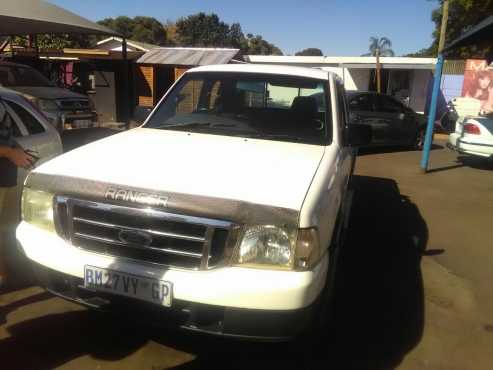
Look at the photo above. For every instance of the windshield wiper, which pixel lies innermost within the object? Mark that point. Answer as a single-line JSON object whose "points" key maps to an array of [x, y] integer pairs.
{"points": [[191, 124], [274, 136]]}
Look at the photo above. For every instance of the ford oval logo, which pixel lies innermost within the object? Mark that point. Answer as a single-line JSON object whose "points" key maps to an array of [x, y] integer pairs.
{"points": [[135, 237]]}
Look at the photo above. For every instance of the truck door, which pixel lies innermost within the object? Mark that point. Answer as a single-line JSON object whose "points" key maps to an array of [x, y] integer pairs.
{"points": [[399, 129]]}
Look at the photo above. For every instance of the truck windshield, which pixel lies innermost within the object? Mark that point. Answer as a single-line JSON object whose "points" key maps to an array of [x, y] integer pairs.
{"points": [[262, 106], [22, 76]]}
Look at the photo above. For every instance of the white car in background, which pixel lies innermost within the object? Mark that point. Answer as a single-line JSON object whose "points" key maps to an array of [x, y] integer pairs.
{"points": [[32, 131], [473, 136]]}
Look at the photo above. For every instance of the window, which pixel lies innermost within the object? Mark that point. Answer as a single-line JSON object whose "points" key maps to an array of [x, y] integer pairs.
{"points": [[388, 105], [341, 102], [22, 76], [32, 124], [270, 107], [281, 96], [7, 124], [361, 103]]}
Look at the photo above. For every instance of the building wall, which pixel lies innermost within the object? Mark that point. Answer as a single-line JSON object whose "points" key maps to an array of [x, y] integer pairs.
{"points": [[419, 89], [357, 79], [105, 99], [452, 86]]}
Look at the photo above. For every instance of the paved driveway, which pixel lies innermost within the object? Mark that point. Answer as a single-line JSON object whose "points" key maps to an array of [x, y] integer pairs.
{"points": [[413, 290]]}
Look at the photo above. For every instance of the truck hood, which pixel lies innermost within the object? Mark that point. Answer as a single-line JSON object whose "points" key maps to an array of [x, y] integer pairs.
{"points": [[48, 92], [262, 172]]}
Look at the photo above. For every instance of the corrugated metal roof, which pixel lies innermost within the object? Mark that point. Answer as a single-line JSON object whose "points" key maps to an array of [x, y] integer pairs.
{"points": [[27, 17], [188, 56]]}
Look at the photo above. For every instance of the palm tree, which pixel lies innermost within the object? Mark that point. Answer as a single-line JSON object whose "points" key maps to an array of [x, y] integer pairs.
{"points": [[379, 47]]}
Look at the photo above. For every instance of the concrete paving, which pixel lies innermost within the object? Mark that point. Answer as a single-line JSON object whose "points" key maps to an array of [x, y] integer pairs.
{"points": [[413, 289]]}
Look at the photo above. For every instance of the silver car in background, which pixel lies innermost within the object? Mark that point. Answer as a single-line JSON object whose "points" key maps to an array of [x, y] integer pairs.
{"points": [[31, 130], [64, 109]]}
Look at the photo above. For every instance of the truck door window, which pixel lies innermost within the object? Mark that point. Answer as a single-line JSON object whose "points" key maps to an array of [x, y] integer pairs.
{"points": [[361, 103], [388, 105], [30, 122]]}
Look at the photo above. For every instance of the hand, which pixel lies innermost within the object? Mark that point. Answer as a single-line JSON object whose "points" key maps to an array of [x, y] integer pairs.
{"points": [[20, 158]]}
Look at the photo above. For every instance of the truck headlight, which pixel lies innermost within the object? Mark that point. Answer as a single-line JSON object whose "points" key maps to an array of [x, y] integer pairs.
{"points": [[37, 209], [277, 247], [266, 246]]}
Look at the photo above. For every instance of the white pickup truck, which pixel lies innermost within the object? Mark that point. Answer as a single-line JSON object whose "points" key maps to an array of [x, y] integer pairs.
{"points": [[221, 214]]}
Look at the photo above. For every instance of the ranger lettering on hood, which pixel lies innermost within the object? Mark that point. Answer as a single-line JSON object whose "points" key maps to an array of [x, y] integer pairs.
{"points": [[136, 197]]}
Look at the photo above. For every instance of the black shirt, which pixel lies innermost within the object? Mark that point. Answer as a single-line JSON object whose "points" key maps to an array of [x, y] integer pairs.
{"points": [[8, 170]]}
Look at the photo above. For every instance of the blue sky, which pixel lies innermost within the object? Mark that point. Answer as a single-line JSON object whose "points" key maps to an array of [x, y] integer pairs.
{"points": [[338, 27]]}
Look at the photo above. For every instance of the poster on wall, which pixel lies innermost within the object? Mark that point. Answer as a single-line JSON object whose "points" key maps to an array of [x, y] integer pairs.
{"points": [[478, 83]]}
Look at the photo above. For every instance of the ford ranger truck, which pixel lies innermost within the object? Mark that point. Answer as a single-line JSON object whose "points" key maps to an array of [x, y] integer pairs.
{"points": [[221, 214]]}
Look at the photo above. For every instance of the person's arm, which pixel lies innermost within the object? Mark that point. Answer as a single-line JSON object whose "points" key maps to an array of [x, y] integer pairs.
{"points": [[17, 156]]}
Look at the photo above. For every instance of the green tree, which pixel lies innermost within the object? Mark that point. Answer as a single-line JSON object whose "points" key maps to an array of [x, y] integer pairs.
{"points": [[257, 45], [143, 29], [310, 52], [463, 14], [380, 46], [57, 42], [203, 29]]}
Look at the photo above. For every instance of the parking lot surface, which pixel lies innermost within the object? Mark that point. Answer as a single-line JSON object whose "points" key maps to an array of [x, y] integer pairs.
{"points": [[413, 289]]}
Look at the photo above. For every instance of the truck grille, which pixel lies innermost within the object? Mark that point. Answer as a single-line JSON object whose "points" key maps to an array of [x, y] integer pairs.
{"points": [[146, 235]]}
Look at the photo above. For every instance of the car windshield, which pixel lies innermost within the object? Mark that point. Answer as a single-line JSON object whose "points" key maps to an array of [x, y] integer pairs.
{"points": [[262, 106], [22, 76]]}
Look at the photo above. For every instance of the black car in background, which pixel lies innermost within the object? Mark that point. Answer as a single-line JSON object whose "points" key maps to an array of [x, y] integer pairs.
{"points": [[392, 122]]}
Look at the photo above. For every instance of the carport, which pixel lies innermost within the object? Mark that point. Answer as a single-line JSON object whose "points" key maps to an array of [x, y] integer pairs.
{"points": [[480, 33], [34, 17]]}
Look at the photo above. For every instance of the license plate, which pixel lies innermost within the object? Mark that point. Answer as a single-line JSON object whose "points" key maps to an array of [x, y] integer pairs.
{"points": [[121, 283], [82, 123]]}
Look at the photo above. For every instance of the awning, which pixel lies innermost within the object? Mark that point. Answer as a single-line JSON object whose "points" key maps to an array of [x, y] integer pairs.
{"points": [[27, 17], [188, 56], [481, 32]]}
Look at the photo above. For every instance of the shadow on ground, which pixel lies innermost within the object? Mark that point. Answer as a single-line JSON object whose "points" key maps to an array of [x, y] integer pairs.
{"points": [[391, 149], [379, 310], [478, 163]]}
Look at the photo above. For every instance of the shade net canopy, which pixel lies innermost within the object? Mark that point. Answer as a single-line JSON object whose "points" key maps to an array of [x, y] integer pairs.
{"points": [[188, 56], [27, 17], [482, 32]]}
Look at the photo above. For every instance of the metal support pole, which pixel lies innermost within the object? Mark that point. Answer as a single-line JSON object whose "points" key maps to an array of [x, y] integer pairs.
{"points": [[432, 114], [127, 108]]}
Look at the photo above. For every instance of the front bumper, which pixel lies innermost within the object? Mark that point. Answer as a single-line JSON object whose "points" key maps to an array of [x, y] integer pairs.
{"points": [[243, 302], [268, 325], [67, 120]]}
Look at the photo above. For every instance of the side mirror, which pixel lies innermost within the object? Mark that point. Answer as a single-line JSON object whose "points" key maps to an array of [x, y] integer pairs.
{"points": [[358, 134]]}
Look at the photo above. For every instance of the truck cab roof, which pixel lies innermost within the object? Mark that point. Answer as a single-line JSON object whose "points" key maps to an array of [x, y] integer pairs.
{"points": [[265, 68]]}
